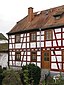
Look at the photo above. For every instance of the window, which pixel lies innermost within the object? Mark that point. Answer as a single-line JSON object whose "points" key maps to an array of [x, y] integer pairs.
{"points": [[46, 56], [18, 56], [58, 17], [33, 56], [48, 35], [17, 38], [33, 36]]}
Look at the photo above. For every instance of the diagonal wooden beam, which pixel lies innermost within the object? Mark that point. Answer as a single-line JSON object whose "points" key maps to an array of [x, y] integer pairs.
{"points": [[56, 59], [54, 51], [22, 58]]}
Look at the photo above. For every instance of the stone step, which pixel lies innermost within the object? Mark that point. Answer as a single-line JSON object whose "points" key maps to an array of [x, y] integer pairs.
{"points": [[43, 73]]}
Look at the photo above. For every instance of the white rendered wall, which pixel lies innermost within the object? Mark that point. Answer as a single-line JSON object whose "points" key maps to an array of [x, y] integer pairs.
{"points": [[4, 59], [33, 44], [37, 44], [58, 55], [58, 30]]}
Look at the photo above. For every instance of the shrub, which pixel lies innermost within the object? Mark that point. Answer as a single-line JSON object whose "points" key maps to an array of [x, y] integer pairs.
{"points": [[33, 76], [26, 77], [11, 78], [1, 76]]}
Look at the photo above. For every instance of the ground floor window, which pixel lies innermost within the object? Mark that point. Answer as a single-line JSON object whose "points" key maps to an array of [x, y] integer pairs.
{"points": [[33, 56], [18, 56]]}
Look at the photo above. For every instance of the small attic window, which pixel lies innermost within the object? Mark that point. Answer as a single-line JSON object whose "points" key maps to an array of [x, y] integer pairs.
{"points": [[58, 15]]}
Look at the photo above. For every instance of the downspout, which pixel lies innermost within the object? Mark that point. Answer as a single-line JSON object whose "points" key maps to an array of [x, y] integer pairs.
{"points": [[40, 42], [8, 52]]}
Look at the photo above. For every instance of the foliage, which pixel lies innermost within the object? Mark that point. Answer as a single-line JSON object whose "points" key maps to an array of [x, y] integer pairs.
{"points": [[26, 78], [1, 70], [50, 81], [31, 73], [1, 76], [11, 78]]}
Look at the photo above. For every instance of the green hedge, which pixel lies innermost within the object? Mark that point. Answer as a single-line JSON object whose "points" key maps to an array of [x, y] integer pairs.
{"points": [[1, 75], [11, 77], [31, 74]]}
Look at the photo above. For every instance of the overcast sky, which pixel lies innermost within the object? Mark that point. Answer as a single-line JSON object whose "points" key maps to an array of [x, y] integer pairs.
{"points": [[12, 11]]}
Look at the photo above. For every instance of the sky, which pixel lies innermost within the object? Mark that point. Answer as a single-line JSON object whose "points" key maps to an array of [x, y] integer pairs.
{"points": [[11, 11]]}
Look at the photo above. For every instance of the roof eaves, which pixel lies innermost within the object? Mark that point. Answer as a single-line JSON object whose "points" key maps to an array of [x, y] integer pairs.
{"points": [[23, 31], [53, 26], [37, 29]]}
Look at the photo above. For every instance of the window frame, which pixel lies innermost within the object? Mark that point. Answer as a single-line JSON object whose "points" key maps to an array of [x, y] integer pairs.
{"points": [[57, 17], [16, 59], [46, 57], [35, 59], [49, 36], [33, 36], [16, 36]]}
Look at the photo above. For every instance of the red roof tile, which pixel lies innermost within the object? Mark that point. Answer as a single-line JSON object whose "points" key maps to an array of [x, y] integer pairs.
{"points": [[44, 19]]}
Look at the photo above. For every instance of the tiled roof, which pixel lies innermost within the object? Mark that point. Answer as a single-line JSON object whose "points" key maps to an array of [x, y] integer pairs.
{"points": [[2, 37], [45, 19], [4, 47]]}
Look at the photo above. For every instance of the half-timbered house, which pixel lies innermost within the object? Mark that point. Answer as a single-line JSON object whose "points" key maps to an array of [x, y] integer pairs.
{"points": [[38, 38]]}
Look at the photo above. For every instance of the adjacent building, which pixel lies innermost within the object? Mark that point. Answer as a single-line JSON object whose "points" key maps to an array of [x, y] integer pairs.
{"points": [[3, 51]]}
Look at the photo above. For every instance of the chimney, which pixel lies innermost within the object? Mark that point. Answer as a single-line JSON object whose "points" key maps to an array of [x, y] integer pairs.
{"points": [[30, 14]]}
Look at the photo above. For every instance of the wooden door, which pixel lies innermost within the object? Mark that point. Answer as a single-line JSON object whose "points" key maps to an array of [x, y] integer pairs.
{"points": [[46, 59]]}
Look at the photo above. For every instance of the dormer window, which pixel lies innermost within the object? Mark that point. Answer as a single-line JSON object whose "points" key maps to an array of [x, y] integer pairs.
{"points": [[58, 15]]}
